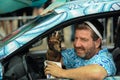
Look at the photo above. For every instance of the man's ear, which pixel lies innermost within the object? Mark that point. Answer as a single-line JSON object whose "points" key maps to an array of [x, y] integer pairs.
{"points": [[98, 42]]}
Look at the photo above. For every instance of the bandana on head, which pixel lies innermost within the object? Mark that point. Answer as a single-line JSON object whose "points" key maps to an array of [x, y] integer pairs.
{"points": [[94, 29]]}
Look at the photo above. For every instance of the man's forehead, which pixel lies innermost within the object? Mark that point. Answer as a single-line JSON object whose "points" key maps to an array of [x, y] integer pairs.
{"points": [[85, 32]]}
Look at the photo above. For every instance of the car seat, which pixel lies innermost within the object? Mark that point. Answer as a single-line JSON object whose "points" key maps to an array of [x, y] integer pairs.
{"points": [[116, 57]]}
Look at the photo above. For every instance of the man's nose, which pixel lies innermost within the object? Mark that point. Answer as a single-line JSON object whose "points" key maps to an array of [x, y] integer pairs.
{"points": [[78, 43]]}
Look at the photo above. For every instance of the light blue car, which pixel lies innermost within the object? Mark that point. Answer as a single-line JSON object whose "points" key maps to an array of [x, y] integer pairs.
{"points": [[16, 63]]}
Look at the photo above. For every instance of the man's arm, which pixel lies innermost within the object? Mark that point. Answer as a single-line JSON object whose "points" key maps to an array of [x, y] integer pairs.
{"points": [[90, 72]]}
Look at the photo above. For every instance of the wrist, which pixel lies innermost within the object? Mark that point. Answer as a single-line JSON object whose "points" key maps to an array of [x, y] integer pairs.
{"points": [[64, 74]]}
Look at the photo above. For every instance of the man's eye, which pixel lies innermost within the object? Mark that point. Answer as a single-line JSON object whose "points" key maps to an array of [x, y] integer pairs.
{"points": [[84, 39]]}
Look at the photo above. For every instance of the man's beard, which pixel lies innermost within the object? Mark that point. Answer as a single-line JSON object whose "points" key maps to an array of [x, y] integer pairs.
{"points": [[87, 53], [85, 56]]}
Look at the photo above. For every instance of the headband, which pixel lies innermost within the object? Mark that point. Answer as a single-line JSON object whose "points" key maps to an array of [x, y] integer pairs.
{"points": [[94, 29]]}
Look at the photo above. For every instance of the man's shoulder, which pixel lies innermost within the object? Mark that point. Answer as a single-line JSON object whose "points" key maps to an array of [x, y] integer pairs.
{"points": [[104, 51], [104, 54]]}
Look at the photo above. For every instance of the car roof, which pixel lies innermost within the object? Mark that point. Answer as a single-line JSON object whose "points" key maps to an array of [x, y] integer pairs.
{"points": [[38, 27]]}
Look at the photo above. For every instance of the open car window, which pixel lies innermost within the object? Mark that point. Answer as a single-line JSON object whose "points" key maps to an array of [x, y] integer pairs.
{"points": [[67, 32]]}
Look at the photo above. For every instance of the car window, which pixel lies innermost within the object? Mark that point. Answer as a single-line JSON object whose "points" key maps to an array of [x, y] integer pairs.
{"points": [[68, 34]]}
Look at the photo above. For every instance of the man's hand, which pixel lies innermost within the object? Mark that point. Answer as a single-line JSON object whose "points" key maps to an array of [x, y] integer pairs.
{"points": [[54, 70]]}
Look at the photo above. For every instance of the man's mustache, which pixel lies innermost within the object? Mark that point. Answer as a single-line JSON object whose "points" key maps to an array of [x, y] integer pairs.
{"points": [[79, 48]]}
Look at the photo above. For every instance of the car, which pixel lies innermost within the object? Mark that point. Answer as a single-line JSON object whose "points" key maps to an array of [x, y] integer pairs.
{"points": [[18, 57]]}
